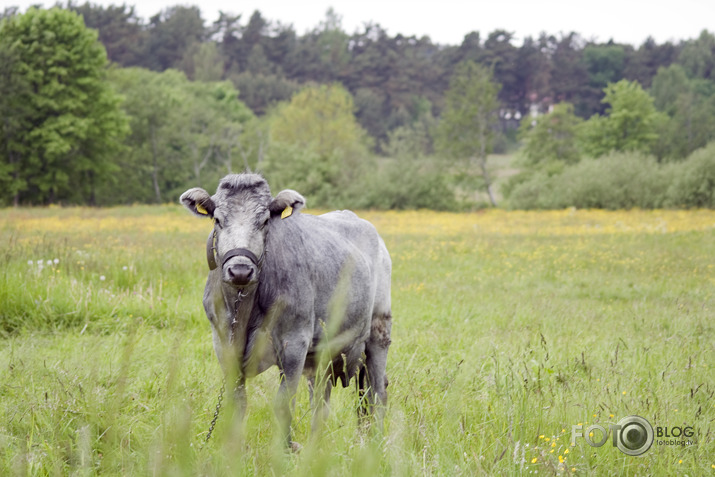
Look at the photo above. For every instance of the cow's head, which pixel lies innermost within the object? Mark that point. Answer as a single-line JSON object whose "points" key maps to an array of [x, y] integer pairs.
{"points": [[241, 208]]}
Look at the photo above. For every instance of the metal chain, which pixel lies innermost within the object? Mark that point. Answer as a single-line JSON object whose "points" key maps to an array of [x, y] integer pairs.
{"points": [[239, 299], [218, 409]]}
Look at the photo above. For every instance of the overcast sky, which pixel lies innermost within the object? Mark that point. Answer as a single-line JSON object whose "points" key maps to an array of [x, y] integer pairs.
{"points": [[447, 21]]}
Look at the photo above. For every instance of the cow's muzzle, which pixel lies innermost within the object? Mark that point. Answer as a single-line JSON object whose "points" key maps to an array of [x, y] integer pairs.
{"points": [[240, 273], [237, 273]]}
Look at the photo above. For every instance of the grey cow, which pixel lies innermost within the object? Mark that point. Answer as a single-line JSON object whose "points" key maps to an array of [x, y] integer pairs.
{"points": [[280, 281]]}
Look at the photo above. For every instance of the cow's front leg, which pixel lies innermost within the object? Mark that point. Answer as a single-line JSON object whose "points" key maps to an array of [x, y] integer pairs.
{"points": [[239, 397], [292, 360], [320, 407]]}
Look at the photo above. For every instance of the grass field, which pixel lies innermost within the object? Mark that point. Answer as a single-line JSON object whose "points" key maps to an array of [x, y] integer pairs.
{"points": [[509, 329]]}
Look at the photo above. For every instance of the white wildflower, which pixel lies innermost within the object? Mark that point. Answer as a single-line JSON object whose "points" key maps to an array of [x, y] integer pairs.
{"points": [[102, 278]]}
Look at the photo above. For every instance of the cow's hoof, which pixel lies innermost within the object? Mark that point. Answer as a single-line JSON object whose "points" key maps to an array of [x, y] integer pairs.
{"points": [[295, 447]]}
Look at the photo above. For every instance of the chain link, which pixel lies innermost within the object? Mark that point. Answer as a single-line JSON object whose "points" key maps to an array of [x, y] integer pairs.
{"points": [[218, 409]]}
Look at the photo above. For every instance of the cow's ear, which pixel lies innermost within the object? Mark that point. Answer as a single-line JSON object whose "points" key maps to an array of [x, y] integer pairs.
{"points": [[286, 202], [199, 202]]}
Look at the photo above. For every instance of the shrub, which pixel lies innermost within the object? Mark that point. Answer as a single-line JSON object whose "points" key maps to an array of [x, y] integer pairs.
{"points": [[618, 181], [407, 184], [693, 183], [532, 193]]}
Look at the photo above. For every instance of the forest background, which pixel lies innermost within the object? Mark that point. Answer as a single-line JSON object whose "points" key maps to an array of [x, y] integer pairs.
{"points": [[101, 107]]}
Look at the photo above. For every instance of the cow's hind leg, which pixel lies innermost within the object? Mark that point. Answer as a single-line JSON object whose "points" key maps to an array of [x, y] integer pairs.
{"points": [[372, 380], [363, 386]]}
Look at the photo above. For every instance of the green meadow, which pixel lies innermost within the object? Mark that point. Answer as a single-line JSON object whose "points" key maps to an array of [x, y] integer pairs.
{"points": [[509, 329]]}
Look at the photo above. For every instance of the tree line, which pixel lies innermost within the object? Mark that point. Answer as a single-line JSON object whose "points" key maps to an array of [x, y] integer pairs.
{"points": [[186, 101], [388, 75]]}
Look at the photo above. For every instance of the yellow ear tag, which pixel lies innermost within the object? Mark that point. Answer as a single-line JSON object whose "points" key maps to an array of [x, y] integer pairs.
{"points": [[287, 212], [200, 209]]}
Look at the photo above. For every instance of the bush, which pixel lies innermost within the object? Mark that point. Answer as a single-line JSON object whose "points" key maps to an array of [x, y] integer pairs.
{"points": [[533, 193], [545, 168], [357, 182], [618, 181], [693, 183], [407, 184]]}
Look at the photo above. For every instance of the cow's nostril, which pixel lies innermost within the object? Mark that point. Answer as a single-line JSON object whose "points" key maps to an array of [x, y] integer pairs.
{"points": [[240, 274]]}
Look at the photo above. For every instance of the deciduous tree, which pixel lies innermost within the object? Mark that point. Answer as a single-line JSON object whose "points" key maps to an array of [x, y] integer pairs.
{"points": [[630, 123], [178, 129], [552, 136], [320, 118], [71, 124], [470, 118], [319, 128], [15, 115]]}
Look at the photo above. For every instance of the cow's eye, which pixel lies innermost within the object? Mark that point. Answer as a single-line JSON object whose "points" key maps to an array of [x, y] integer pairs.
{"points": [[217, 222]]}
